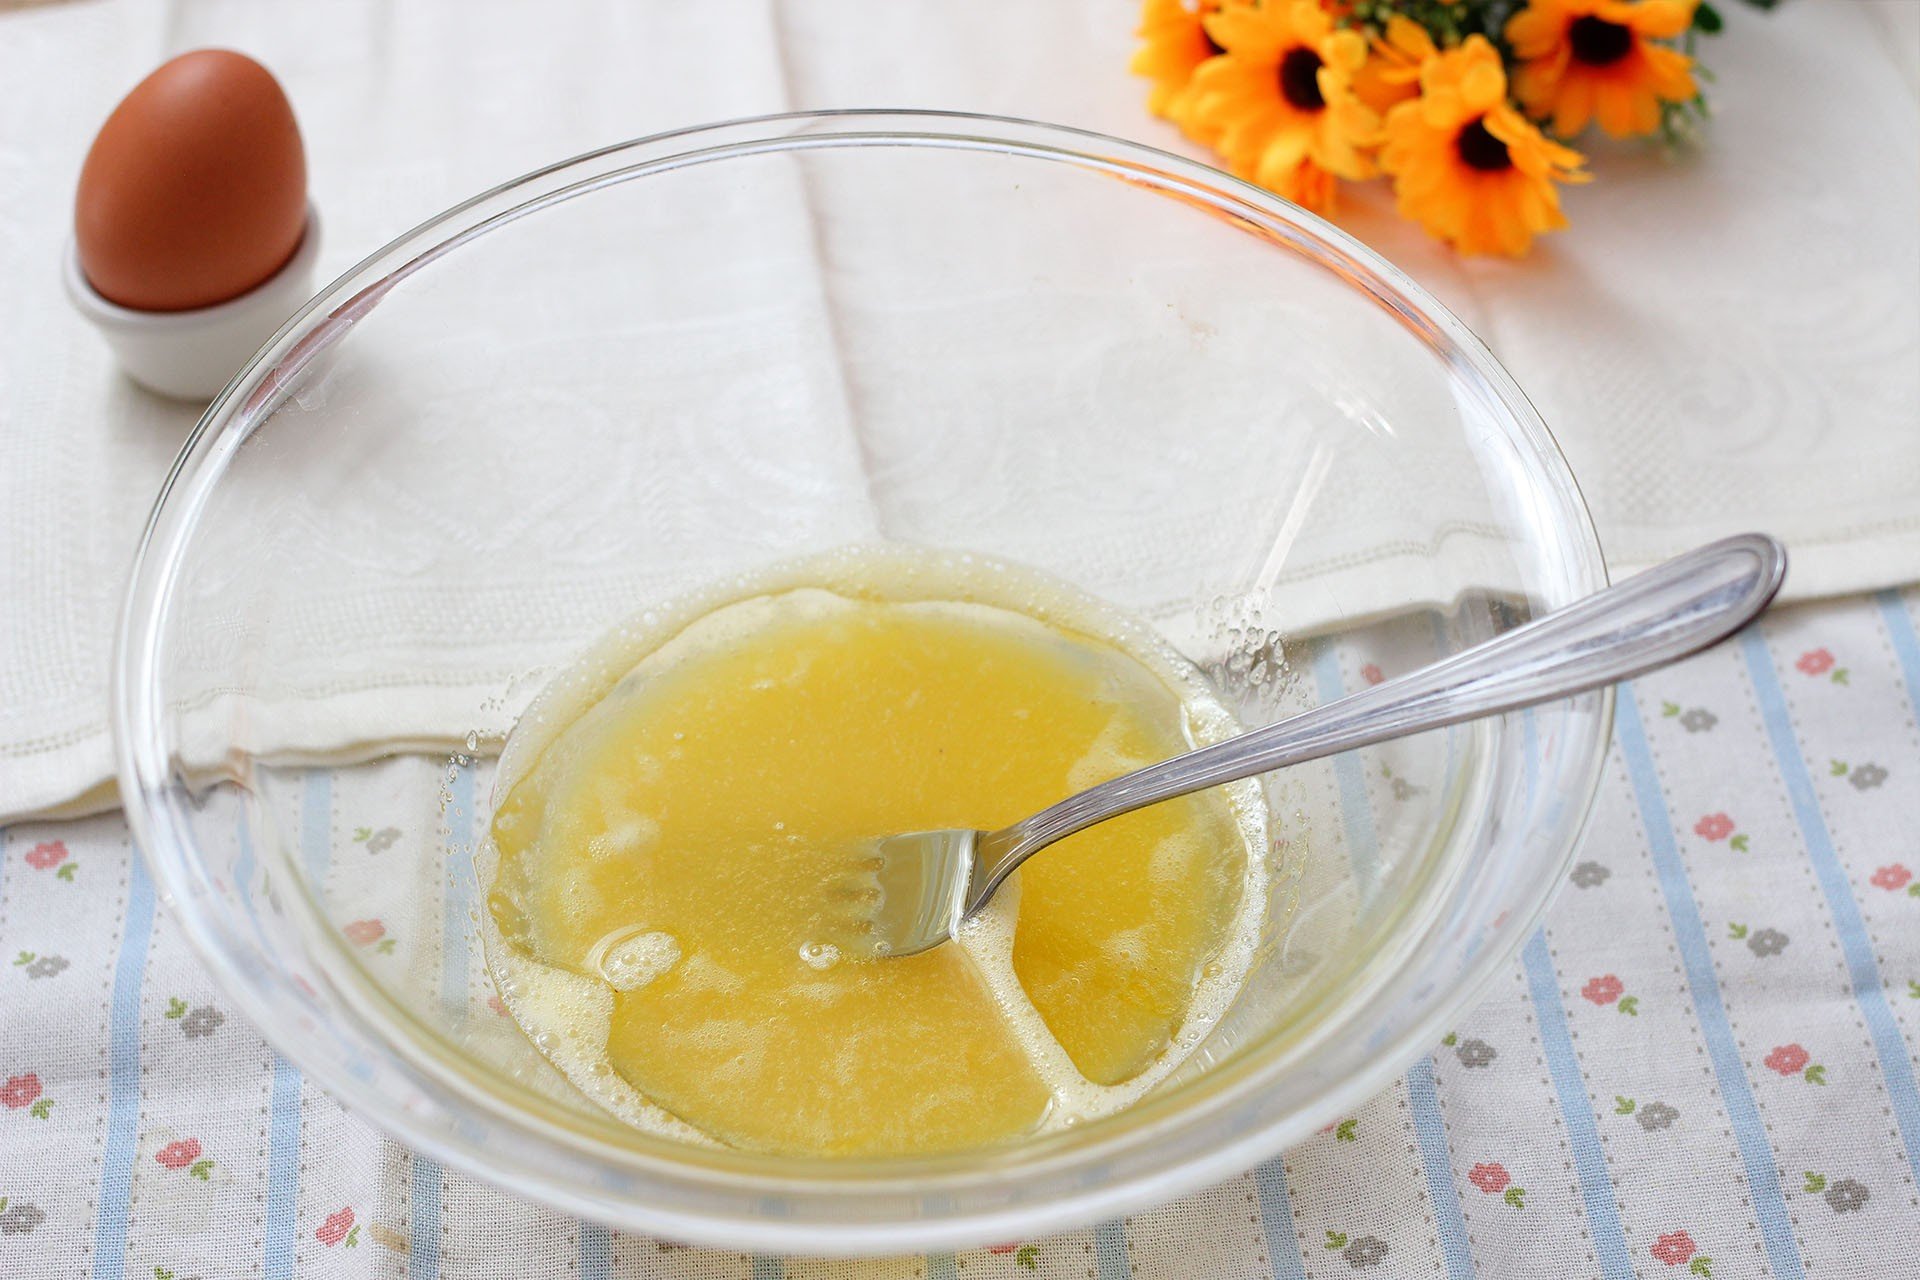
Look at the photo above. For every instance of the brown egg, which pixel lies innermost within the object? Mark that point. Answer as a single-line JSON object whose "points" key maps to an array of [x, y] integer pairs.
{"points": [[196, 189]]}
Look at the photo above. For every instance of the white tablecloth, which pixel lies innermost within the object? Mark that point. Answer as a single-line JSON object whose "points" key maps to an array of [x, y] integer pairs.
{"points": [[1723, 340]]}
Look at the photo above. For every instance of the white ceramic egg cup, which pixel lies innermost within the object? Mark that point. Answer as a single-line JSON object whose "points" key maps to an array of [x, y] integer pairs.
{"points": [[190, 355]]}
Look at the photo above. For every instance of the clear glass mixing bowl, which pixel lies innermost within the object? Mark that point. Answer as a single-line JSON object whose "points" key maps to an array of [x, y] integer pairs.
{"points": [[676, 360]]}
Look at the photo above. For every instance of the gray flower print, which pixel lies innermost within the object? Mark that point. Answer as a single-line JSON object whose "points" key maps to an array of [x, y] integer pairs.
{"points": [[382, 840], [202, 1022], [1475, 1053], [1590, 875], [46, 966], [21, 1218], [1766, 942], [1656, 1115], [1866, 776], [1404, 790], [1367, 1251], [1698, 720], [1847, 1195]]}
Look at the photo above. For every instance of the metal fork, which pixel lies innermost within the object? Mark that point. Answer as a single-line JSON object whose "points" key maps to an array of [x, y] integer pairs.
{"points": [[930, 881]]}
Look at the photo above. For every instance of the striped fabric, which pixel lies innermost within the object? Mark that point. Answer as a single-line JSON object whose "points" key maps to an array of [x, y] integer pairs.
{"points": [[1703, 1065]]}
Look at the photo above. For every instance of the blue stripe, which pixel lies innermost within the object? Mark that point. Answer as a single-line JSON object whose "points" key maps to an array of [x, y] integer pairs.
{"points": [[1110, 1251], [1690, 935], [1276, 1219], [423, 1221], [596, 1252], [1869, 992], [423, 1227], [1583, 1135], [941, 1266], [123, 1074], [1906, 646], [1349, 772], [283, 1126], [1448, 1218], [766, 1267], [1356, 814], [283, 1171]]}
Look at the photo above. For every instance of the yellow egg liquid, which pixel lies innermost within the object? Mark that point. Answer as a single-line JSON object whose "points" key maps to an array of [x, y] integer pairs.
{"points": [[669, 835]]}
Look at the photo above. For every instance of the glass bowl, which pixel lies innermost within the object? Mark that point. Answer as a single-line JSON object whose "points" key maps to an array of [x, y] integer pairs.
{"points": [[647, 369]]}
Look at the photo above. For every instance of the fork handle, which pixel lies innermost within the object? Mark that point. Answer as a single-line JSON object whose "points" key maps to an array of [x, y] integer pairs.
{"points": [[1654, 618]]}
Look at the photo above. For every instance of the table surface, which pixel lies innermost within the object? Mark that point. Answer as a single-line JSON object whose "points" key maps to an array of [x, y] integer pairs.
{"points": [[1703, 1064]]}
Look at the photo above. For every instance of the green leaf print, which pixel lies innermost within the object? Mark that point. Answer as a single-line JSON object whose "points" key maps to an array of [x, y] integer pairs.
{"points": [[1450, 1039], [65, 873], [1913, 989], [201, 1169], [362, 834], [1343, 1132], [353, 1237], [1702, 1266], [1028, 1256], [41, 1109], [161, 1273], [1516, 1196], [1815, 1074], [1736, 931], [1336, 1240], [1622, 1105], [1630, 1005], [1669, 709], [1839, 675], [1739, 843], [176, 1007], [1837, 768], [1816, 1182], [25, 957]]}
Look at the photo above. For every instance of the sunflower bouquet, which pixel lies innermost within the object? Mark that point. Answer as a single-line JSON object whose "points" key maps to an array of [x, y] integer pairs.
{"points": [[1465, 106]]}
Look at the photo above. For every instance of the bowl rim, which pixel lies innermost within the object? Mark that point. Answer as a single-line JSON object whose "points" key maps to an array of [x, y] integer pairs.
{"points": [[159, 828]]}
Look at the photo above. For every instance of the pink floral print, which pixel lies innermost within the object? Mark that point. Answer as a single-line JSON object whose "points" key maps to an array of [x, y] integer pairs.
{"points": [[1674, 1248], [1715, 826], [1815, 662], [20, 1091], [1491, 1177], [363, 932], [47, 855], [179, 1153], [1604, 989], [335, 1228], [1893, 877]]}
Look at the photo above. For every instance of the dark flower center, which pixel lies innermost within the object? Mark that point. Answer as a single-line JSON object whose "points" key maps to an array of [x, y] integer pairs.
{"points": [[1598, 42], [1481, 150], [1300, 79], [1214, 47]]}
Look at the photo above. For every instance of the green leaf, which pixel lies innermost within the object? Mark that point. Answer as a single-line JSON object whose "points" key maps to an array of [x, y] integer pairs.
{"points": [[201, 1169], [41, 1109], [1815, 1074], [25, 957], [362, 834], [161, 1273], [1630, 1005], [1336, 1239], [1622, 1105], [1738, 844], [1027, 1256], [65, 873], [1913, 989], [1708, 20], [176, 1007], [384, 946], [3, 1204], [1344, 1131], [1450, 1039], [1702, 1266], [1736, 931], [1913, 890], [353, 1236], [1516, 1196], [1816, 1182], [1837, 768], [1839, 675], [1669, 708]]}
